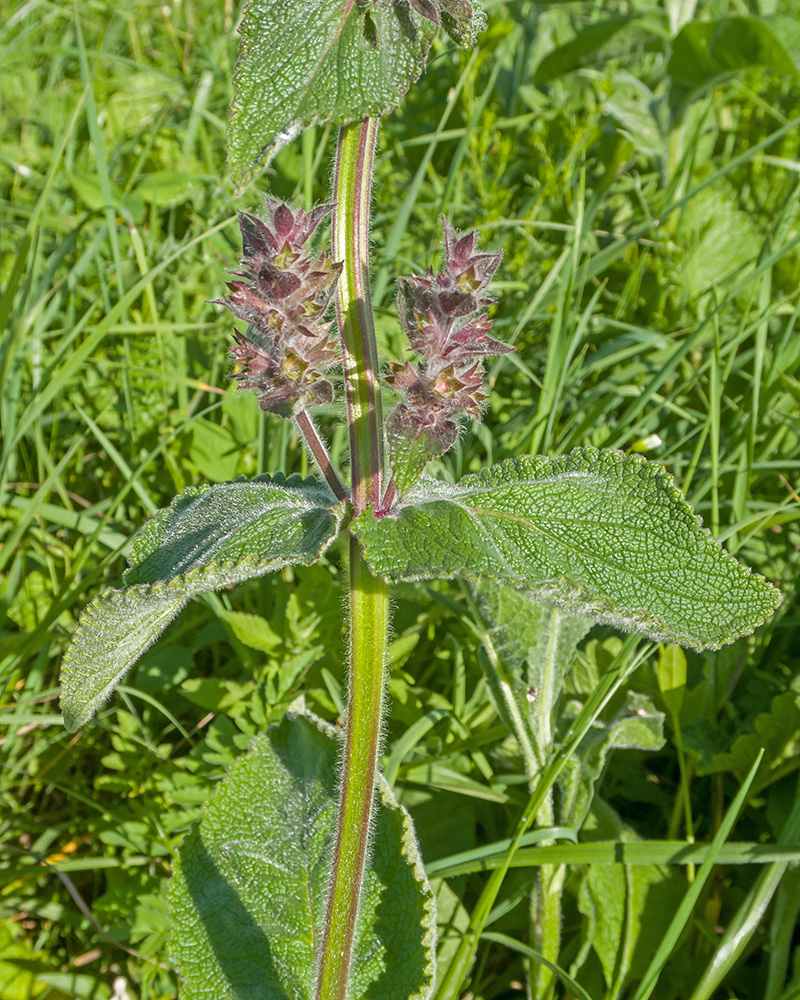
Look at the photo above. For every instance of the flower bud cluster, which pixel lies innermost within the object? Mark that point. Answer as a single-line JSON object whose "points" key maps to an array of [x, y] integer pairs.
{"points": [[446, 319], [283, 296]]}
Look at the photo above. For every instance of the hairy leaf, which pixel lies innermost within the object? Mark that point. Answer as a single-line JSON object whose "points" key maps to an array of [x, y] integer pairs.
{"points": [[249, 889], [317, 60], [208, 538], [595, 532]]}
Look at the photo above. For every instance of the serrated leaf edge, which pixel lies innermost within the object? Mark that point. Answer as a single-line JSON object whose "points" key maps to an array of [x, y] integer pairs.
{"points": [[604, 612], [409, 843], [184, 586], [325, 501]]}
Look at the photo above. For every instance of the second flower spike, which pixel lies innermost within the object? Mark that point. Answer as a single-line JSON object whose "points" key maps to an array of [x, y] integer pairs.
{"points": [[446, 319]]}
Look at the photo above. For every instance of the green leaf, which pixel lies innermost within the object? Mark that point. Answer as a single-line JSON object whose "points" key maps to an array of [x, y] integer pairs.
{"points": [[628, 906], [776, 732], [317, 60], [249, 889], [214, 450], [615, 900], [19, 966], [251, 630], [597, 533], [208, 538], [636, 725], [702, 51]]}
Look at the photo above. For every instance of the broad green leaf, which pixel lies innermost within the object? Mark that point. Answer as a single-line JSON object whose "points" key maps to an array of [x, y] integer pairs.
{"points": [[636, 725], [19, 966], [627, 906], [720, 239], [208, 538], [596, 533], [214, 450], [315, 61], [251, 630], [452, 920], [614, 899], [249, 889], [776, 732], [703, 51]]}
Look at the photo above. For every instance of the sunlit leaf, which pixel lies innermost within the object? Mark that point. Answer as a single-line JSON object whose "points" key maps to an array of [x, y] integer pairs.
{"points": [[208, 538], [595, 532]]}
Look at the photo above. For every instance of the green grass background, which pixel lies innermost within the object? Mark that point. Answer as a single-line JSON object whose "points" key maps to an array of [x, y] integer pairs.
{"points": [[650, 283]]}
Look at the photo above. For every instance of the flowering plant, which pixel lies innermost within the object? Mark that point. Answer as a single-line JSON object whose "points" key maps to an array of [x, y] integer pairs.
{"points": [[303, 878]]}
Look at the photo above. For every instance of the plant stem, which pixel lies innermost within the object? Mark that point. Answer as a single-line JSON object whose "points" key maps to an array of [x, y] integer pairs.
{"points": [[369, 620], [369, 596], [316, 446], [351, 192], [546, 896]]}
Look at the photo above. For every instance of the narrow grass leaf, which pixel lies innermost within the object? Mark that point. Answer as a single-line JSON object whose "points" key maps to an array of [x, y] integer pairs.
{"points": [[575, 988], [749, 915], [611, 852], [684, 912]]}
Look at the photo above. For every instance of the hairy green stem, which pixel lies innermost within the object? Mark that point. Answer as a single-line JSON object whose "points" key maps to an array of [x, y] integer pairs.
{"points": [[351, 192], [546, 895], [369, 622], [369, 596]]}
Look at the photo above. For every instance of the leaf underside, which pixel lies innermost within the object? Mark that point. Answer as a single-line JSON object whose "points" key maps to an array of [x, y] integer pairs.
{"points": [[209, 537], [315, 60], [249, 888], [597, 533]]}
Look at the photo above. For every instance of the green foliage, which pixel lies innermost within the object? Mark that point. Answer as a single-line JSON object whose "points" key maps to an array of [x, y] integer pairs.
{"points": [[703, 51], [208, 538], [259, 861], [686, 329], [532, 646], [594, 532]]}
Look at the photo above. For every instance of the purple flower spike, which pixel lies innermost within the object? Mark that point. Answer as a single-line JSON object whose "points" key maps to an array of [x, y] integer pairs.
{"points": [[446, 319], [283, 296]]}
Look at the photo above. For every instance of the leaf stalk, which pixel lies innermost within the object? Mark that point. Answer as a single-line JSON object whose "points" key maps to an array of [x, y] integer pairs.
{"points": [[316, 446]]}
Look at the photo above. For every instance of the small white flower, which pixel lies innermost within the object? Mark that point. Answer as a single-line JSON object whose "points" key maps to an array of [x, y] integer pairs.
{"points": [[647, 443]]}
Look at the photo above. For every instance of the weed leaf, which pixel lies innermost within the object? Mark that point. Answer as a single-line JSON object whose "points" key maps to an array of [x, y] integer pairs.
{"points": [[703, 52], [259, 862], [594, 532], [706, 50], [209, 537], [317, 60]]}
